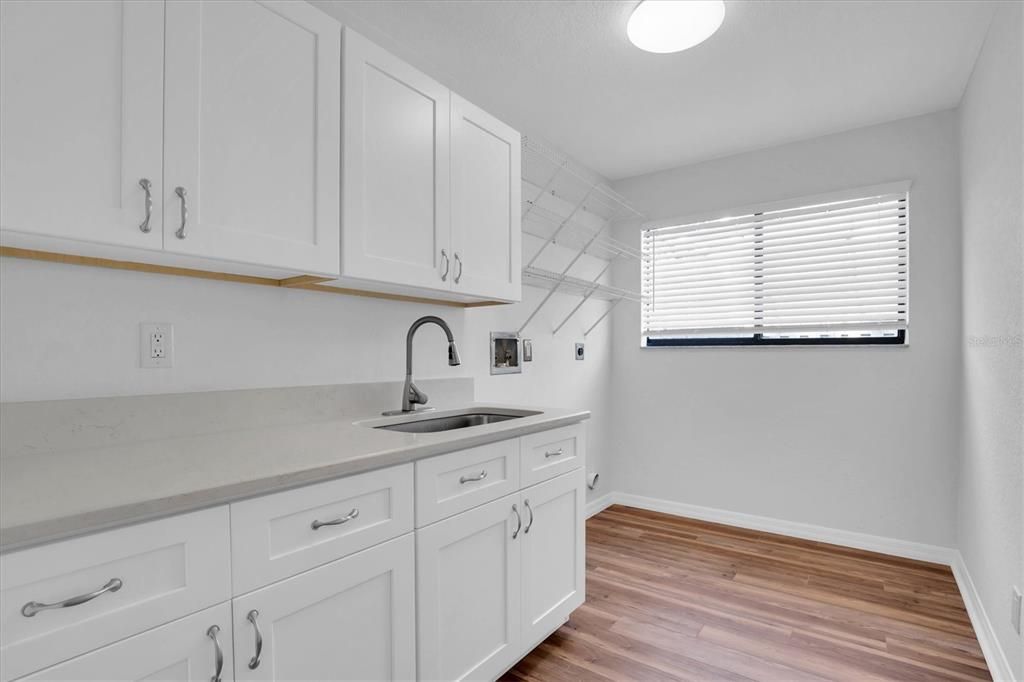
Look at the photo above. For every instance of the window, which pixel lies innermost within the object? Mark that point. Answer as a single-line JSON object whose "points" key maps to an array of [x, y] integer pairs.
{"points": [[821, 271]]}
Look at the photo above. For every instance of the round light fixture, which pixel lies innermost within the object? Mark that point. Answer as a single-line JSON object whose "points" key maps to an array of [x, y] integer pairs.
{"points": [[664, 26]]}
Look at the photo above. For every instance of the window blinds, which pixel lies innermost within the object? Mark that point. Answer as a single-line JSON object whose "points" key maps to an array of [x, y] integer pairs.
{"points": [[801, 267]]}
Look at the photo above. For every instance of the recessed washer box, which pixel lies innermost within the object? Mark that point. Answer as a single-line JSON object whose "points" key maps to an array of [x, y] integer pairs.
{"points": [[505, 355]]}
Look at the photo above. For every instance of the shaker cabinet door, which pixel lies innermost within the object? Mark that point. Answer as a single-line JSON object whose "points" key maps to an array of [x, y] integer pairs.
{"points": [[252, 146], [81, 120]]}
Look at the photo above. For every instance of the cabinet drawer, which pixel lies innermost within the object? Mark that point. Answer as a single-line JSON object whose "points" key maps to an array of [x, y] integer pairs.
{"points": [[551, 453], [161, 571], [280, 535], [449, 484]]}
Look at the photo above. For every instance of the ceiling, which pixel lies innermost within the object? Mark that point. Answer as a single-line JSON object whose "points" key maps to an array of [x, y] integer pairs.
{"points": [[777, 71]]}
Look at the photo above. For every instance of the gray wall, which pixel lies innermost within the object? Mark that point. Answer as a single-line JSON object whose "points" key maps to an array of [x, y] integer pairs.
{"points": [[859, 439], [991, 515]]}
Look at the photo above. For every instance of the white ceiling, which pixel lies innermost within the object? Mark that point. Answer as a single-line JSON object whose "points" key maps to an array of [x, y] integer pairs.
{"points": [[775, 72]]}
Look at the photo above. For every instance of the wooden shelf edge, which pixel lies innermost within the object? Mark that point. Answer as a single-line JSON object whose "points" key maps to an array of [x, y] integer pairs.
{"points": [[302, 282]]}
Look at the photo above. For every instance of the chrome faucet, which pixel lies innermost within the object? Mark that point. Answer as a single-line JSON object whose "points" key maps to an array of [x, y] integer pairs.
{"points": [[411, 395]]}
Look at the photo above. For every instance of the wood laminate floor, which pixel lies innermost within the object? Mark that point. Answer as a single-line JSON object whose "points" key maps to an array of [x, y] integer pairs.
{"points": [[670, 598]]}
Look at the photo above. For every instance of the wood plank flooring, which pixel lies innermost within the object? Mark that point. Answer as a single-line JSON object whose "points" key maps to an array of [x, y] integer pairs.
{"points": [[677, 599]]}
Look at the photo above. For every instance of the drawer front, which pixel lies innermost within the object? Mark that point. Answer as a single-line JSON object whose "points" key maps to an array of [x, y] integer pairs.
{"points": [[280, 535], [552, 453], [452, 483], [161, 570]]}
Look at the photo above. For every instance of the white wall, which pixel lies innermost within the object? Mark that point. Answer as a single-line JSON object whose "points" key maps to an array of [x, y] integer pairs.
{"points": [[857, 438], [991, 514], [72, 332]]}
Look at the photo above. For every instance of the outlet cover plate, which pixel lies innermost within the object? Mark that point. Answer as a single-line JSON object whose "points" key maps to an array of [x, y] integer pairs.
{"points": [[156, 345], [579, 351]]}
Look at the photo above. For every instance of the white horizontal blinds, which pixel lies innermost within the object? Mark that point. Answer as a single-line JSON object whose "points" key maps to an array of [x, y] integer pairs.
{"points": [[822, 267]]}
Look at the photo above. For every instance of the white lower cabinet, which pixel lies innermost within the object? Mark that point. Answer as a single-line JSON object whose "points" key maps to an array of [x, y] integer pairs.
{"points": [[492, 582], [196, 648], [352, 619], [468, 590], [553, 568]]}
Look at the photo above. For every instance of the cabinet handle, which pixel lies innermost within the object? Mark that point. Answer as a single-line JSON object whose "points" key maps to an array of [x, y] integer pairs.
{"points": [[553, 453], [519, 522], [354, 514], [145, 184], [218, 653], [529, 524], [33, 607], [254, 662], [458, 261], [181, 233], [444, 275], [472, 479]]}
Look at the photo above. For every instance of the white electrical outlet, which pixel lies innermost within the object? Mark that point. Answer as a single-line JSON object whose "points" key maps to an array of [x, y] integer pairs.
{"points": [[156, 344], [1015, 610]]}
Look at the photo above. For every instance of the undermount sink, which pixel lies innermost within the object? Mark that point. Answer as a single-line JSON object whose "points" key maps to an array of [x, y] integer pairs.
{"points": [[454, 421]]}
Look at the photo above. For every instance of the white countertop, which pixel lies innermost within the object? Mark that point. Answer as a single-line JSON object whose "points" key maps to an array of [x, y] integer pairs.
{"points": [[58, 494]]}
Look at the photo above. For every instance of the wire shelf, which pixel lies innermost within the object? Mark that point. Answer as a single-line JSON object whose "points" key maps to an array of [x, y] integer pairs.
{"points": [[567, 284]]}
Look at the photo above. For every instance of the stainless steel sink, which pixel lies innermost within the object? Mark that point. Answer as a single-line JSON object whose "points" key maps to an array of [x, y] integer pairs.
{"points": [[451, 422]]}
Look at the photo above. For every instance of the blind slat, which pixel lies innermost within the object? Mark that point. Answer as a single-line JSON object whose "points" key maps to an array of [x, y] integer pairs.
{"points": [[805, 268]]}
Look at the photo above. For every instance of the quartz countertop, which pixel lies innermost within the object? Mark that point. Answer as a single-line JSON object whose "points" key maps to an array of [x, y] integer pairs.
{"points": [[53, 495]]}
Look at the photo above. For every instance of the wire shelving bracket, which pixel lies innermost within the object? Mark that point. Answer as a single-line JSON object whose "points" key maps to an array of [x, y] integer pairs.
{"points": [[554, 174]]}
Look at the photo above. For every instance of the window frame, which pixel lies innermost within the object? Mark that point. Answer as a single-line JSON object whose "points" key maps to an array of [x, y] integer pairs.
{"points": [[756, 339]]}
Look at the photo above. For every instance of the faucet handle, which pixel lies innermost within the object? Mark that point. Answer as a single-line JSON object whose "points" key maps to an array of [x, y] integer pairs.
{"points": [[416, 396]]}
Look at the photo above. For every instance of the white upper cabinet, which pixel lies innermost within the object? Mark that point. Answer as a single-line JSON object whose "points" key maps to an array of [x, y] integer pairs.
{"points": [[486, 210], [395, 197], [81, 118], [431, 185], [252, 133]]}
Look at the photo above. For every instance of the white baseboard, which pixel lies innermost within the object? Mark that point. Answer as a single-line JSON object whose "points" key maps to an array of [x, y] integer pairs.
{"points": [[995, 657], [600, 504], [998, 664]]}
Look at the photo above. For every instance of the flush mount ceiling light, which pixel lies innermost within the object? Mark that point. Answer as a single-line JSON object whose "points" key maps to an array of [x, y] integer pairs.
{"points": [[664, 26]]}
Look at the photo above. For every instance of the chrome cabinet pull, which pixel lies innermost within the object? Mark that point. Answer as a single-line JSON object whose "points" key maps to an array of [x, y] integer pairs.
{"points": [[472, 479], [519, 522], [354, 514], [553, 453], [33, 607], [458, 261], [529, 524], [218, 653], [254, 662], [145, 184], [182, 194], [444, 275]]}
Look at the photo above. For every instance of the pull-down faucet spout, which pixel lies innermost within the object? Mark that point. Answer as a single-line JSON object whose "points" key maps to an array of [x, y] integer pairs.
{"points": [[412, 396]]}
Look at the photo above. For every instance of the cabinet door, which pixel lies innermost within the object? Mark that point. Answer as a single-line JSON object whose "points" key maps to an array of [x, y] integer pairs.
{"points": [[554, 570], [468, 589], [486, 211], [81, 119], [353, 619], [185, 651], [253, 133], [395, 201]]}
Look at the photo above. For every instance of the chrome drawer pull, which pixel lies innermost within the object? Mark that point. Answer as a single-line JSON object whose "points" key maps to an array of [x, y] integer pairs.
{"points": [[473, 479], [354, 514], [458, 275], [254, 662], [145, 184], [218, 653], [529, 524], [181, 233], [33, 607], [554, 453], [519, 522]]}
